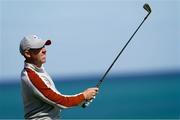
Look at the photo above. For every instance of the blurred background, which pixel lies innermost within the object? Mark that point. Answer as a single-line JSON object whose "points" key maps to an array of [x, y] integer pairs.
{"points": [[86, 37]]}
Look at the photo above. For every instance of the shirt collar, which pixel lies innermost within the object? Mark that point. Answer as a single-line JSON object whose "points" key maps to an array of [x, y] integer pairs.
{"points": [[32, 66]]}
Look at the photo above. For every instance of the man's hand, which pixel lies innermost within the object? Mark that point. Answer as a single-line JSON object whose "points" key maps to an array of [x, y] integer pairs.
{"points": [[90, 101], [90, 93]]}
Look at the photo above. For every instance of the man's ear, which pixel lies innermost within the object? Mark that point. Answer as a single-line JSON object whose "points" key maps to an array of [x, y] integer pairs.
{"points": [[27, 54]]}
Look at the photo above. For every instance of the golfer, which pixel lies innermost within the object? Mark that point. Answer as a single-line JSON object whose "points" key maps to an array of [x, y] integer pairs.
{"points": [[41, 98]]}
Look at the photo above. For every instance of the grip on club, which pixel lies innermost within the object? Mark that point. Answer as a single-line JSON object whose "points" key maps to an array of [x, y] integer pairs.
{"points": [[85, 104], [88, 102]]}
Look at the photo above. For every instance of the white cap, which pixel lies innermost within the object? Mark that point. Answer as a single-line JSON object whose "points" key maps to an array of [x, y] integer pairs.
{"points": [[32, 42]]}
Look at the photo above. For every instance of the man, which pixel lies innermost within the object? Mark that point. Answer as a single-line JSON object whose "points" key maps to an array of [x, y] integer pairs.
{"points": [[41, 98]]}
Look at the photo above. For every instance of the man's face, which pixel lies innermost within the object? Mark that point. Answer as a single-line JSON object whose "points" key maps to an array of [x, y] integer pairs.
{"points": [[38, 56]]}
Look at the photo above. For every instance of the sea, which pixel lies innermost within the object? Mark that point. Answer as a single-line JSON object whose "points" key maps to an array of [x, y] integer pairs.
{"points": [[134, 96]]}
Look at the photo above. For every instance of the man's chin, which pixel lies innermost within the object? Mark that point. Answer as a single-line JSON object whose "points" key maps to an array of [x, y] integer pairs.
{"points": [[43, 61]]}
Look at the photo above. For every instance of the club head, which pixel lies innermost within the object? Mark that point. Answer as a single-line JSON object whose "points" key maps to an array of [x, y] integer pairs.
{"points": [[147, 8]]}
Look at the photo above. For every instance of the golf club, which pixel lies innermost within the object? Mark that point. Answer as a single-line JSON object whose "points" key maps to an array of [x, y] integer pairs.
{"points": [[148, 9]]}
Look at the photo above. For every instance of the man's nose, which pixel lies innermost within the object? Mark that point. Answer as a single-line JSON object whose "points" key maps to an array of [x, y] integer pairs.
{"points": [[44, 50]]}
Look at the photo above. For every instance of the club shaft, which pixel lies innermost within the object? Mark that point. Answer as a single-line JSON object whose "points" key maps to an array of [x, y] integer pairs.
{"points": [[102, 79]]}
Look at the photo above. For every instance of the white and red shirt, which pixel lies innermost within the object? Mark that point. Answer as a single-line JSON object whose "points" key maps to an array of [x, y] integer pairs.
{"points": [[40, 96]]}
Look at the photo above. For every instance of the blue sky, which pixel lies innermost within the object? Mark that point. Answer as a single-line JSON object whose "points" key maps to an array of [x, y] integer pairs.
{"points": [[88, 34]]}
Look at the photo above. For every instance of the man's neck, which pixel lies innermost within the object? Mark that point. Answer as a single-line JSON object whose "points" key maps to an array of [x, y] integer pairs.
{"points": [[34, 63]]}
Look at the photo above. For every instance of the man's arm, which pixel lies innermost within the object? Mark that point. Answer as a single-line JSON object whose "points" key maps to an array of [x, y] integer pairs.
{"points": [[52, 97]]}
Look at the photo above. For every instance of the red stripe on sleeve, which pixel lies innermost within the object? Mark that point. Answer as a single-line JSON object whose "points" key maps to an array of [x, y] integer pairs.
{"points": [[67, 101]]}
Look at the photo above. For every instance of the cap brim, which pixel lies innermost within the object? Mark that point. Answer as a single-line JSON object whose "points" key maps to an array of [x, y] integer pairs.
{"points": [[40, 44], [48, 42]]}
